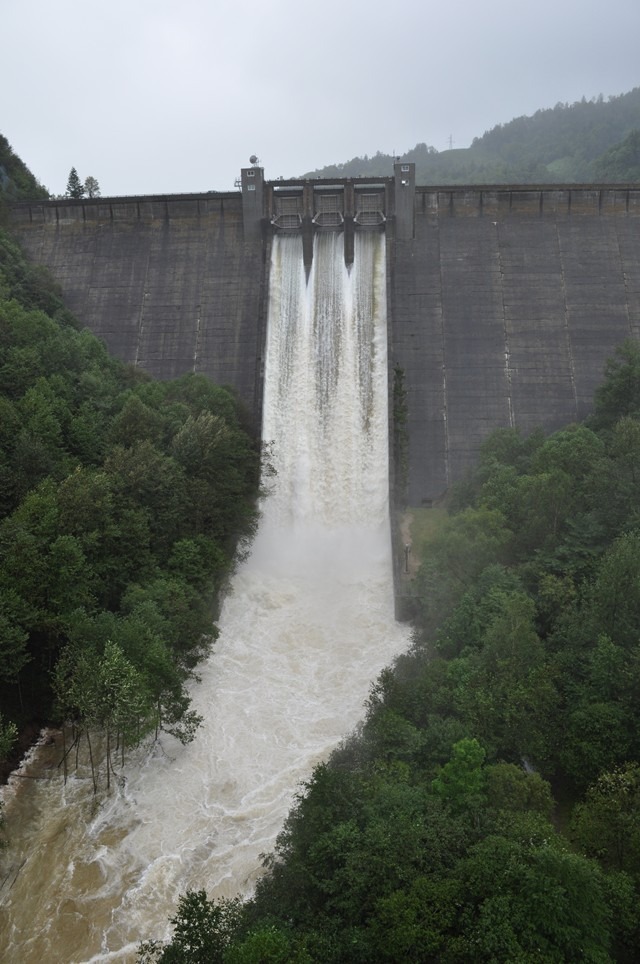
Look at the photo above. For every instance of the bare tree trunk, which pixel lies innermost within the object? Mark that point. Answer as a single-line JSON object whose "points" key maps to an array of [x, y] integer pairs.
{"points": [[108, 758], [74, 743], [93, 772]]}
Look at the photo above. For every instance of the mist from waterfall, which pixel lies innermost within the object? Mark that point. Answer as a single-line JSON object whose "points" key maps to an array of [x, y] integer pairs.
{"points": [[307, 626]]}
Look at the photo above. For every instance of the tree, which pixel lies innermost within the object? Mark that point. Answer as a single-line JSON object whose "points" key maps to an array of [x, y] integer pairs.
{"points": [[75, 188], [501, 687], [619, 394], [526, 898], [8, 736], [607, 824], [460, 550], [622, 161], [203, 929], [268, 944], [461, 782], [91, 187], [13, 637], [121, 700], [614, 600], [103, 691], [511, 788]]}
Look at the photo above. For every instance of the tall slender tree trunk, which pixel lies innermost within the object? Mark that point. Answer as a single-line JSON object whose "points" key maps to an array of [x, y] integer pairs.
{"points": [[93, 772], [108, 758]]}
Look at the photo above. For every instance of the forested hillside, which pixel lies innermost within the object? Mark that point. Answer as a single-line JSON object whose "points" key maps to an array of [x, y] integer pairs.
{"points": [[594, 140], [17, 183], [488, 810], [121, 503]]}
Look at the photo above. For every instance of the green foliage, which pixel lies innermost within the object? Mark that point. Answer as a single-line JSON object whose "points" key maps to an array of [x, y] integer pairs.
{"points": [[460, 782], [25, 287], [202, 932], [509, 788], [267, 945], [428, 835], [620, 162], [121, 504], [8, 736], [619, 394], [614, 600], [91, 187], [529, 899], [607, 824], [581, 142], [460, 551], [17, 183]]}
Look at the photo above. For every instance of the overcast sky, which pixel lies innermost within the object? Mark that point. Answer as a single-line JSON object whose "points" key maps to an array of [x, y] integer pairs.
{"points": [[155, 96]]}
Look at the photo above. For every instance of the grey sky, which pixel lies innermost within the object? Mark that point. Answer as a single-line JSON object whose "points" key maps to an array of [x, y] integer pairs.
{"points": [[153, 96]]}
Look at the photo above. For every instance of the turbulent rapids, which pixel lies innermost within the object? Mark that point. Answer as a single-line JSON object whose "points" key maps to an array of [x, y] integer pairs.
{"points": [[306, 628]]}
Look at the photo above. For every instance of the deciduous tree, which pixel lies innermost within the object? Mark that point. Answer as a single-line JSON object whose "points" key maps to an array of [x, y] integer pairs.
{"points": [[91, 187]]}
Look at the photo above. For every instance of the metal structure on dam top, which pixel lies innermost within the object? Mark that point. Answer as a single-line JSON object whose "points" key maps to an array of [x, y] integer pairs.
{"points": [[338, 204]]}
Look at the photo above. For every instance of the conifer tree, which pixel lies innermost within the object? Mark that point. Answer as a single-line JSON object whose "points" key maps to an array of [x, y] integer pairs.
{"points": [[75, 187]]}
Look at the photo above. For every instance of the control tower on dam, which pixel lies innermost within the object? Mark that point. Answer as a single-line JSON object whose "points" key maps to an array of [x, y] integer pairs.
{"points": [[503, 302]]}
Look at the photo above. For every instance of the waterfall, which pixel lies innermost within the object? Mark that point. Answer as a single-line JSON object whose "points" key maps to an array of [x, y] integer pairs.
{"points": [[307, 626]]}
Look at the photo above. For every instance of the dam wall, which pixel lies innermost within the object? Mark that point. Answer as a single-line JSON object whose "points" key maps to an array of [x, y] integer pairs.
{"points": [[168, 283], [503, 302], [504, 307]]}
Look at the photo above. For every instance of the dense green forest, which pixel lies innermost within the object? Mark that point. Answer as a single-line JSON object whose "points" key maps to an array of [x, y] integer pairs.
{"points": [[489, 807], [121, 503], [591, 140]]}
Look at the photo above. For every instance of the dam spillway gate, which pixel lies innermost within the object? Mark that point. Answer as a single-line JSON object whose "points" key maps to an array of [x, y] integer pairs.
{"points": [[347, 205]]}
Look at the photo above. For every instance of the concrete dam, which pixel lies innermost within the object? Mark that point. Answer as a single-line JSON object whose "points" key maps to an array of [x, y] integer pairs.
{"points": [[503, 302]]}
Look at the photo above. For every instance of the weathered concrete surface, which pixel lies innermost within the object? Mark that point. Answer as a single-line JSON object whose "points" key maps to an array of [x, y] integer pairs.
{"points": [[504, 309], [169, 283]]}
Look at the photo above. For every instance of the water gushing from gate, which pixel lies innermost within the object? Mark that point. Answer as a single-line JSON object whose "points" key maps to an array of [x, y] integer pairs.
{"points": [[308, 625]]}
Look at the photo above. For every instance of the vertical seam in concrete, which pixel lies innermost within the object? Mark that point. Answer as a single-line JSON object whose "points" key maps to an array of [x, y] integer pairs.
{"points": [[567, 330], [196, 344], [203, 288], [505, 332], [624, 278], [145, 295], [445, 413], [93, 272]]}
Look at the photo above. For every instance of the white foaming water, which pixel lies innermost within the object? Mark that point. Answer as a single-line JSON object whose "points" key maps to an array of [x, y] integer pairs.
{"points": [[309, 623]]}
